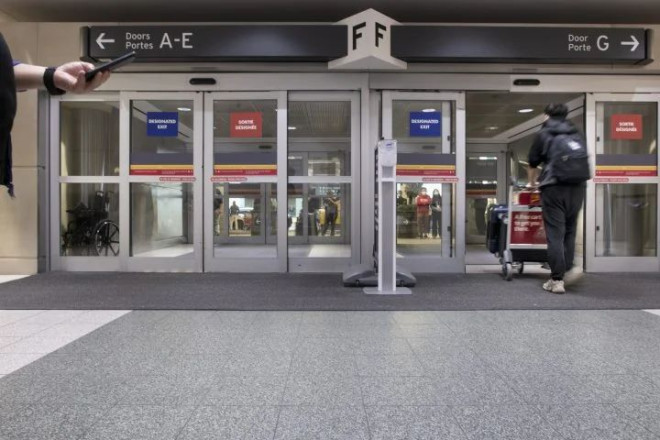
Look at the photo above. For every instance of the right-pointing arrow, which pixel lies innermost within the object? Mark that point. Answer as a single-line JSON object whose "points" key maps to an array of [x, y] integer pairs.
{"points": [[634, 43]]}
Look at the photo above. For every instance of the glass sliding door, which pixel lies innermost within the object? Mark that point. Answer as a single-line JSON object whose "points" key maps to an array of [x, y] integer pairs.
{"points": [[323, 134], [429, 128], [622, 198], [244, 182], [163, 207], [85, 183]]}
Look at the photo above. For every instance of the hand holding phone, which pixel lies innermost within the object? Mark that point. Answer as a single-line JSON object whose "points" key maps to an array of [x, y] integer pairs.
{"points": [[110, 65]]}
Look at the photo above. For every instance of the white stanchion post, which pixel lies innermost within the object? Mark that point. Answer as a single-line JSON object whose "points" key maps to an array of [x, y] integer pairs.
{"points": [[386, 157]]}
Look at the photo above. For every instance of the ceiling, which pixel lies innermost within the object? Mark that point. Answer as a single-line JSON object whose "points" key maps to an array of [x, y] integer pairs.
{"points": [[447, 11], [491, 113]]}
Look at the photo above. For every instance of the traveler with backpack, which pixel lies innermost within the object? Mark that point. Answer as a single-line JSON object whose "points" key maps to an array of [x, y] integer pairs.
{"points": [[561, 148]]}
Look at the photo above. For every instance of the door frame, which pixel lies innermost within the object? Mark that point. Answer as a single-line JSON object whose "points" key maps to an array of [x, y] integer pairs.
{"points": [[595, 135], [225, 264], [297, 264], [428, 263], [180, 264]]}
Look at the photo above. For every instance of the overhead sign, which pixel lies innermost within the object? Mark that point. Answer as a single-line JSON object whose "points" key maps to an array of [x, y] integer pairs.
{"points": [[254, 42], [245, 125], [626, 127], [369, 41], [423, 124], [483, 44], [163, 124]]}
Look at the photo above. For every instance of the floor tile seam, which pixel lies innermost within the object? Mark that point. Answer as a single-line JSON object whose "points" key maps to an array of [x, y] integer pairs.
{"points": [[93, 425], [364, 409], [49, 328], [535, 408], [39, 312], [633, 421]]}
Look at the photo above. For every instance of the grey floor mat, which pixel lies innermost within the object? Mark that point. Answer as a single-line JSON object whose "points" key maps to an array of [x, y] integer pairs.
{"points": [[222, 291]]}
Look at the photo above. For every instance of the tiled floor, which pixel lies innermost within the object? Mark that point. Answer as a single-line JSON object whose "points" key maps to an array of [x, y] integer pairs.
{"points": [[528, 375]]}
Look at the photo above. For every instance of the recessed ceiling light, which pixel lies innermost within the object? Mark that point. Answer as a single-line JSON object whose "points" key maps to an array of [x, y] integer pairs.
{"points": [[492, 127], [292, 128], [525, 110], [183, 109], [428, 110]]}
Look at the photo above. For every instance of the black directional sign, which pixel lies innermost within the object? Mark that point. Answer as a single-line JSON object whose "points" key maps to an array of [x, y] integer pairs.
{"points": [[219, 42], [520, 44]]}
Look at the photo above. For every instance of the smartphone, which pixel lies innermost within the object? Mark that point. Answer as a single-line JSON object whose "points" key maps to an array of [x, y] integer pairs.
{"points": [[110, 65]]}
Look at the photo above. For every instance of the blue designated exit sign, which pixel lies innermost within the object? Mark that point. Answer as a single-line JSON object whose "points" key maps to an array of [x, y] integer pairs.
{"points": [[162, 124], [425, 124]]}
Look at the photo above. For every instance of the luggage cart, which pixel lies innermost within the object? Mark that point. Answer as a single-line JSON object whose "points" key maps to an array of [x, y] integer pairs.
{"points": [[522, 236]]}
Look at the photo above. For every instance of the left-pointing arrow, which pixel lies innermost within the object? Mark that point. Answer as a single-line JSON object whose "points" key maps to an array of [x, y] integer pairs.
{"points": [[100, 40], [634, 43]]}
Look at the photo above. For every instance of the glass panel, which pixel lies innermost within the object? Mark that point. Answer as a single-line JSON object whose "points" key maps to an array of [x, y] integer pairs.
{"points": [[423, 211], [319, 220], [481, 191], [89, 219], [417, 125], [629, 133], [162, 137], [627, 223], [623, 133], [245, 220], [89, 138], [162, 219], [319, 138], [245, 138]]}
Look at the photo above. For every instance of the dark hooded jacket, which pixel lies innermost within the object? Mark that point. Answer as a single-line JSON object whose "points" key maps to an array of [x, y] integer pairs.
{"points": [[7, 113], [538, 153]]}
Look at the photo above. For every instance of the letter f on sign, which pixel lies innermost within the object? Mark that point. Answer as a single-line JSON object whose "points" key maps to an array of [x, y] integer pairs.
{"points": [[379, 34], [357, 34]]}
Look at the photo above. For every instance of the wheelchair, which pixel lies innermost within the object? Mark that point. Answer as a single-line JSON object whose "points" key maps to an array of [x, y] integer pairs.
{"points": [[90, 231]]}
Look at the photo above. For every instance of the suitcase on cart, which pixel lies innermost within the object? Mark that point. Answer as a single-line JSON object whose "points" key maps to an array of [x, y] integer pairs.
{"points": [[495, 215]]}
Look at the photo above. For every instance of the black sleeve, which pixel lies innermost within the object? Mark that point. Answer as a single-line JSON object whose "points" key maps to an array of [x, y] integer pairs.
{"points": [[536, 156]]}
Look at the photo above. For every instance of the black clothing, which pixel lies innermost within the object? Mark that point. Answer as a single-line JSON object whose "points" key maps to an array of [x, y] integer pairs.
{"points": [[538, 153], [436, 215], [7, 113], [561, 207], [561, 203]]}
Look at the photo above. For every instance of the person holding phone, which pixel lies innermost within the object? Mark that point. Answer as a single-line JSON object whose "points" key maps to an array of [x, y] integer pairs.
{"points": [[14, 75]]}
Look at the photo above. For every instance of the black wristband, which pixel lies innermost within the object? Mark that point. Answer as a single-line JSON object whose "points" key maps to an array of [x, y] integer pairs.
{"points": [[49, 82]]}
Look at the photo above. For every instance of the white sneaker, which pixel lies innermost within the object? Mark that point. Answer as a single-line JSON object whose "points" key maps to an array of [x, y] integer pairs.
{"points": [[573, 276], [554, 286]]}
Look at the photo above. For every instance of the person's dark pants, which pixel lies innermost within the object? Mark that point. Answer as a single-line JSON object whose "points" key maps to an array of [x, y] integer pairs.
{"points": [[330, 221], [436, 221], [561, 207]]}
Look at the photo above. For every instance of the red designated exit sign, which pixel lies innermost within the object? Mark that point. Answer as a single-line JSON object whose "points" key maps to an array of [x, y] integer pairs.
{"points": [[626, 127], [246, 125]]}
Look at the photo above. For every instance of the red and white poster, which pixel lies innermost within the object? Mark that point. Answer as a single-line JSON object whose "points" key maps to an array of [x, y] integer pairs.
{"points": [[527, 228], [245, 125], [626, 127]]}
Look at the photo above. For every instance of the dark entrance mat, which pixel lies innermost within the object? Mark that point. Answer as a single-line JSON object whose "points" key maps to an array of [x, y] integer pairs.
{"points": [[214, 291]]}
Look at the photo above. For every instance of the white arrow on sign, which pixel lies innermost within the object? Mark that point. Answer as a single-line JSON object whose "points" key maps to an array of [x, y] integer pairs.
{"points": [[100, 40], [634, 43]]}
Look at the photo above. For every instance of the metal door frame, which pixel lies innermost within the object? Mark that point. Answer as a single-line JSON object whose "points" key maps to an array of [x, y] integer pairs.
{"points": [[180, 264], [222, 264], [335, 264], [594, 132], [443, 263], [77, 263]]}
